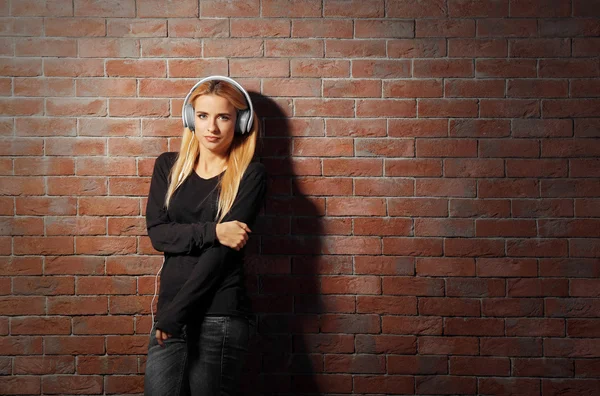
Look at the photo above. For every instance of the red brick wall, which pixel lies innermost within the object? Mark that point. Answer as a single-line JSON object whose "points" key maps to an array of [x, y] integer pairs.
{"points": [[433, 221]]}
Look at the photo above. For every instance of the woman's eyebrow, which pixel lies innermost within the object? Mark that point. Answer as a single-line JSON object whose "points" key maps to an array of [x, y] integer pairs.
{"points": [[205, 112]]}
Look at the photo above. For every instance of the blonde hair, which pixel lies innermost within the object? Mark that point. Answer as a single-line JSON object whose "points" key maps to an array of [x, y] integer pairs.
{"points": [[239, 156]]}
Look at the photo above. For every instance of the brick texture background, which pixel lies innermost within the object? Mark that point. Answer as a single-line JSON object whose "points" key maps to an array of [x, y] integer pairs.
{"points": [[433, 220]]}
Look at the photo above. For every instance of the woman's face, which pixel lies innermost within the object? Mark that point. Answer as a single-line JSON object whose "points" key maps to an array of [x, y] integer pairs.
{"points": [[215, 123]]}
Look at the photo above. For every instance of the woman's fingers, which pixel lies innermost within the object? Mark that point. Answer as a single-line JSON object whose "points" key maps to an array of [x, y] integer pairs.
{"points": [[161, 336]]}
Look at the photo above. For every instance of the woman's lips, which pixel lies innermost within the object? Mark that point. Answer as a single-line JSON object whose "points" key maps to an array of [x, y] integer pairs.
{"points": [[211, 139]]}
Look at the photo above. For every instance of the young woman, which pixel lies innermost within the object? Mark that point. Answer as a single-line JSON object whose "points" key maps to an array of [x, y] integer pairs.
{"points": [[202, 203]]}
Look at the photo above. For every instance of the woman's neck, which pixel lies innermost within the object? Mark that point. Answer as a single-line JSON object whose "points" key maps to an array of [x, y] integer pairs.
{"points": [[210, 164]]}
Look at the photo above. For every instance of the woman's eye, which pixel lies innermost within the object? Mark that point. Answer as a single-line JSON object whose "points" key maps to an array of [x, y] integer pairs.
{"points": [[226, 118], [201, 116]]}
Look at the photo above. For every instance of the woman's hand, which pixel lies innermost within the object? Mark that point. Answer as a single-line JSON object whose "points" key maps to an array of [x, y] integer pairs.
{"points": [[233, 234], [161, 336]]}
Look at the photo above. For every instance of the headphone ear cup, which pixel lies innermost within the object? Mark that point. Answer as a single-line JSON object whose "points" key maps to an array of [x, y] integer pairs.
{"points": [[188, 117], [242, 121]]}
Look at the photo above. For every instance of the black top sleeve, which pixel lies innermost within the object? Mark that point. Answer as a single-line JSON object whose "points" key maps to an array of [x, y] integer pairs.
{"points": [[166, 235], [211, 265]]}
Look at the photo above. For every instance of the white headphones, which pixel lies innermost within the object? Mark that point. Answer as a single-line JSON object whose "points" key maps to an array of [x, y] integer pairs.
{"points": [[245, 118]]}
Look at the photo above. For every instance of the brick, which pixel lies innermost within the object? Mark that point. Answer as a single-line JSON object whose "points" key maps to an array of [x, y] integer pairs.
{"points": [[324, 108], [412, 88], [384, 265], [585, 8], [46, 206], [475, 48], [586, 208], [490, 68], [416, 9], [374, 28], [473, 168], [260, 68], [355, 48], [354, 8], [386, 148], [122, 27], [108, 48], [473, 88], [76, 107], [509, 108], [412, 286], [353, 127], [225, 8], [43, 246], [584, 88], [417, 325], [416, 48], [31, 305], [20, 266], [100, 245], [536, 168], [510, 148], [54, 47], [320, 68], [445, 28], [508, 188], [79, 225], [355, 207], [541, 88], [130, 305], [127, 226], [571, 107], [479, 128], [134, 107], [40, 325], [43, 87], [510, 346], [350, 285], [293, 47], [501, 267], [137, 67], [87, 365], [446, 148], [363, 364], [326, 28], [387, 187], [350, 88], [542, 128], [465, 287], [385, 108], [443, 68], [538, 287], [514, 386], [20, 385], [413, 246], [536, 247], [569, 188], [474, 247], [176, 47], [68, 146], [20, 67], [478, 8], [443, 227], [351, 324], [65, 383], [21, 106], [473, 327], [250, 27], [76, 185], [540, 48], [352, 167], [387, 305], [542, 367], [479, 366], [585, 46], [111, 8], [362, 68], [295, 8], [21, 146], [507, 28], [569, 27], [570, 347], [102, 325], [430, 266], [385, 344], [586, 367], [417, 128], [75, 27], [554, 68], [51, 285], [73, 67], [582, 328], [448, 108], [421, 207], [446, 306], [157, 8], [41, 365], [76, 305], [548, 8], [106, 87], [445, 188], [535, 327]]}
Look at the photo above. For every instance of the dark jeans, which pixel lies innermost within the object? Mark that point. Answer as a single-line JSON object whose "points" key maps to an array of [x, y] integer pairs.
{"points": [[207, 360]]}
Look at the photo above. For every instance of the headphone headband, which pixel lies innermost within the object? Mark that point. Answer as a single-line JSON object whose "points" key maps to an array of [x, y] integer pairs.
{"points": [[245, 117]]}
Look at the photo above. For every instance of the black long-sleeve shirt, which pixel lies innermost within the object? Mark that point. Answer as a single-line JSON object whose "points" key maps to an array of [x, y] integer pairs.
{"points": [[200, 276]]}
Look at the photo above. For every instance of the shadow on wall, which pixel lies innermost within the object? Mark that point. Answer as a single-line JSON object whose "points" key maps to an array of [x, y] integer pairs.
{"points": [[282, 272]]}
